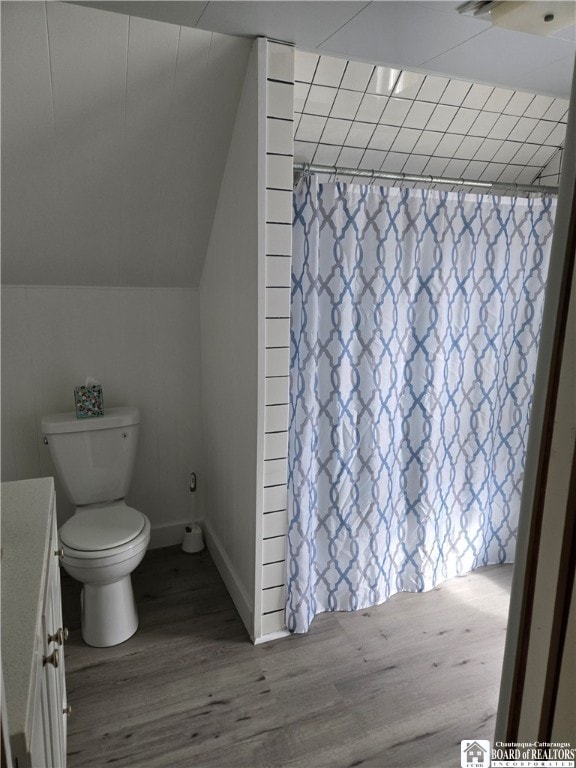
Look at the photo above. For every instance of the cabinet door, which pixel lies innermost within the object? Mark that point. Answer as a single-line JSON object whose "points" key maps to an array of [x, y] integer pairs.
{"points": [[61, 676], [32, 646], [58, 623], [54, 675], [40, 744]]}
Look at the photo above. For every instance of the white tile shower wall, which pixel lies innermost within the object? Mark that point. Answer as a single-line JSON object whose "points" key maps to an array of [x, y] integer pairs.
{"points": [[143, 345], [550, 175], [279, 179], [411, 123]]}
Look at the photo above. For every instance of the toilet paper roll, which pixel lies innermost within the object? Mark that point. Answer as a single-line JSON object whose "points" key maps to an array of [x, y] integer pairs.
{"points": [[193, 539]]}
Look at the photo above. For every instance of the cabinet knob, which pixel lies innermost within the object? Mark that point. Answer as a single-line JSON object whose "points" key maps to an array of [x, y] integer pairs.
{"points": [[67, 710], [53, 659], [59, 636], [59, 552]]}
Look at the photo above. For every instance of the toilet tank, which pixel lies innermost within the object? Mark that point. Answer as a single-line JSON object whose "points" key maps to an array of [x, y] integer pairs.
{"points": [[94, 457]]}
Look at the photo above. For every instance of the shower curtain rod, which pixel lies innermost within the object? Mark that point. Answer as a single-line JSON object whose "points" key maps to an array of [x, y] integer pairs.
{"points": [[514, 189]]}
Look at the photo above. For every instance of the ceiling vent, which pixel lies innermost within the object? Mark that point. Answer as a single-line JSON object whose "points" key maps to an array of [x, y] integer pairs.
{"points": [[532, 16]]}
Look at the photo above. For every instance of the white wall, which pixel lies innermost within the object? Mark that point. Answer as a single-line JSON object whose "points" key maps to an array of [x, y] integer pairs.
{"points": [[143, 345], [554, 513], [115, 131], [546, 492], [229, 312], [245, 299]]}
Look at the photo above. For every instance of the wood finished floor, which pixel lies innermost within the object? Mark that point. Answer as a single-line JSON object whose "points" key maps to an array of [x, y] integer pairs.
{"points": [[397, 686]]}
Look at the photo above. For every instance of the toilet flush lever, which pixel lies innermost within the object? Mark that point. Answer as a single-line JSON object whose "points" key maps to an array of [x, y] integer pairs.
{"points": [[45, 441]]}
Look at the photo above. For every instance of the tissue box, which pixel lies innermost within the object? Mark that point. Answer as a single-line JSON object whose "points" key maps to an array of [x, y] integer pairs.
{"points": [[88, 401]]}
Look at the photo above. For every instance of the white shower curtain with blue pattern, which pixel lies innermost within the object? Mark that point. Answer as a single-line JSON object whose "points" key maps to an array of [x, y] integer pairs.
{"points": [[414, 336]]}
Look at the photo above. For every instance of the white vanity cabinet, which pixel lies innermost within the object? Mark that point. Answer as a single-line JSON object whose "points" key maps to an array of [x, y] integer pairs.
{"points": [[33, 635]]}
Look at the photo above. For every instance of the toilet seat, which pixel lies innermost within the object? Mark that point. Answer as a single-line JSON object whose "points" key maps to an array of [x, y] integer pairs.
{"points": [[104, 531], [109, 614]]}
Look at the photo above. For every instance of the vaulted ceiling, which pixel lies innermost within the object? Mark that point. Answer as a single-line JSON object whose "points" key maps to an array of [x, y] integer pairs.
{"points": [[115, 137], [116, 125], [424, 35]]}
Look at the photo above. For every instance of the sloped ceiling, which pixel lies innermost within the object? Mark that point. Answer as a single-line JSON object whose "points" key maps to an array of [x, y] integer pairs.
{"points": [[429, 36], [115, 136], [116, 127]]}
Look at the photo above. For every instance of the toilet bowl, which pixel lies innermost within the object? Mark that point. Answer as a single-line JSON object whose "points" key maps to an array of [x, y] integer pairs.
{"points": [[101, 547], [105, 539]]}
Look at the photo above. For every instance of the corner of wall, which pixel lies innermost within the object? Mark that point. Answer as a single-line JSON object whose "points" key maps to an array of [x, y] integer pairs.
{"points": [[229, 359], [245, 306]]}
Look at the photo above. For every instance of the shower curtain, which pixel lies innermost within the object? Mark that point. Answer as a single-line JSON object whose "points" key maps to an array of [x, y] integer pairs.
{"points": [[414, 336]]}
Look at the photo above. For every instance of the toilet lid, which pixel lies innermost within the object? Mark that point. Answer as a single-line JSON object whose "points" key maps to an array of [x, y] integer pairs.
{"points": [[100, 528]]}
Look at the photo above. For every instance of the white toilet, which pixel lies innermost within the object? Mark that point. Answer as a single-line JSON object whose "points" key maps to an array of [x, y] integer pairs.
{"points": [[105, 539]]}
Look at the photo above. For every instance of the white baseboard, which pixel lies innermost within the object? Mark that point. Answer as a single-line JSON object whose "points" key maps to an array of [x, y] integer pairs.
{"points": [[173, 533], [229, 577], [272, 636], [167, 535]]}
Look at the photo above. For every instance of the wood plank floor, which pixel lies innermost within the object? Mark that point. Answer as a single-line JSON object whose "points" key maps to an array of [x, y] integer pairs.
{"points": [[397, 686]]}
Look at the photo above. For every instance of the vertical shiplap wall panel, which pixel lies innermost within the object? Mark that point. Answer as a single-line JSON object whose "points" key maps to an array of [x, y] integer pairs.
{"points": [[215, 115], [279, 162], [152, 49], [25, 68], [178, 153], [116, 130], [20, 451], [88, 68], [31, 228]]}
